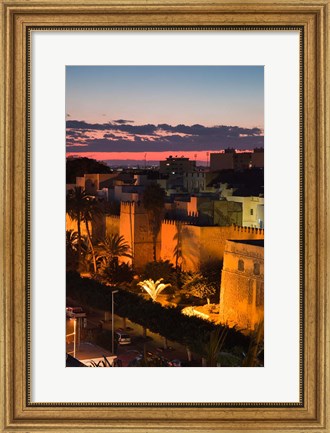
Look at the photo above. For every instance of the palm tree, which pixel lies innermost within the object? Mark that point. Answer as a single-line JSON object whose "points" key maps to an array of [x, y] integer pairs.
{"points": [[83, 208], [197, 285], [153, 288], [153, 201], [91, 210], [86, 254], [255, 347], [111, 248], [71, 249], [71, 240], [213, 348], [75, 205], [178, 247]]}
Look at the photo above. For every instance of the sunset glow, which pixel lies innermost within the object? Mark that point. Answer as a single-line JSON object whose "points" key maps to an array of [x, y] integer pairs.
{"points": [[122, 113], [139, 156]]}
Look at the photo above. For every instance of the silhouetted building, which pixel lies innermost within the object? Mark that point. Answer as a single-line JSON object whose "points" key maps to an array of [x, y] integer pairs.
{"points": [[176, 168], [232, 159], [175, 165]]}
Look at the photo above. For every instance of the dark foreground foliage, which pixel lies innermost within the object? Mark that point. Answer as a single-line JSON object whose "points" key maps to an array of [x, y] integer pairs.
{"points": [[80, 166], [166, 321]]}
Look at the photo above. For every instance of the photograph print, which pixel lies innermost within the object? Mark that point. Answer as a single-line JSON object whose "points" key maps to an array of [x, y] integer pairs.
{"points": [[165, 216]]}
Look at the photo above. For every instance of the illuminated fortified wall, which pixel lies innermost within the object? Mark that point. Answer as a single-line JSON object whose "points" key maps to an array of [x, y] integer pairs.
{"points": [[242, 284], [192, 246], [101, 225], [134, 226], [71, 224], [112, 224]]}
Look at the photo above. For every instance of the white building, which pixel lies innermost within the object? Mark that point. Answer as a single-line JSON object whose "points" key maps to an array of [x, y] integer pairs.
{"points": [[253, 210]]}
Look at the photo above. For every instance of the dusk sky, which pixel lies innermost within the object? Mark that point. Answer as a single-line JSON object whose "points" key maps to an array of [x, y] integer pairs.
{"points": [[117, 112]]}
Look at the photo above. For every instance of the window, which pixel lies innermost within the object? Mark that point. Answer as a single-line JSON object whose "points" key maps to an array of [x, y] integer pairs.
{"points": [[251, 211], [260, 294], [241, 265], [256, 268]]}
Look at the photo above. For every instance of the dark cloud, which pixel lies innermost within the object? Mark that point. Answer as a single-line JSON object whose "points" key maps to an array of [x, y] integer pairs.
{"points": [[72, 134], [132, 129], [115, 137], [219, 131], [81, 124], [137, 129], [123, 121], [149, 137]]}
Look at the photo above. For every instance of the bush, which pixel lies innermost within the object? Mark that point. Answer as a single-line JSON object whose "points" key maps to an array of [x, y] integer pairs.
{"points": [[115, 273], [160, 269]]}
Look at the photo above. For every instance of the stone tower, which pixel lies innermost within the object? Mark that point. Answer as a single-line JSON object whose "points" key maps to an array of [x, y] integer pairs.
{"points": [[135, 227]]}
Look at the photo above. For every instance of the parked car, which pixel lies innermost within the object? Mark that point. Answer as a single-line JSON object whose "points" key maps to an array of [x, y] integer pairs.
{"points": [[122, 338], [75, 312], [175, 363]]}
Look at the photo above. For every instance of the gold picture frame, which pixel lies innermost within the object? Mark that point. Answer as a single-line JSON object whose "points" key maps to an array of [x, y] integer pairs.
{"points": [[17, 413]]}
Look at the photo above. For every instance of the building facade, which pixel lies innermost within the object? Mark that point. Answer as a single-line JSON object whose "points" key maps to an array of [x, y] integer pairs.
{"points": [[253, 210]]}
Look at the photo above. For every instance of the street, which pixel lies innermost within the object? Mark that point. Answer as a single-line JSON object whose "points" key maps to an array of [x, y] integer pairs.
{"points": [[154, 343]]}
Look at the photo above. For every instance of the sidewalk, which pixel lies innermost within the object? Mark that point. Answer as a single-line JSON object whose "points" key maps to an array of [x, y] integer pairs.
{"points": [[87, 351]]}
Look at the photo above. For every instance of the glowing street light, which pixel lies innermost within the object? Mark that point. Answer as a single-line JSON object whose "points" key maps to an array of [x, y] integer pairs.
{"points": [[113, 320]]}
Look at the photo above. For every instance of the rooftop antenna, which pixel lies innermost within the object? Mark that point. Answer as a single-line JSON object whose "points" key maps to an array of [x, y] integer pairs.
{"points": [[207, 159], [145, 160]]}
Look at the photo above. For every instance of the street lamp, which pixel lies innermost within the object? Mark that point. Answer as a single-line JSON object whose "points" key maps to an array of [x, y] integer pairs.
{"points": [[113, 320]]}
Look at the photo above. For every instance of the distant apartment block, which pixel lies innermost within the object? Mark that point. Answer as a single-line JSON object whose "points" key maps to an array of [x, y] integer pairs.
{"points": [[177, 165], [176, 168], [231, 159], [258, 158]]}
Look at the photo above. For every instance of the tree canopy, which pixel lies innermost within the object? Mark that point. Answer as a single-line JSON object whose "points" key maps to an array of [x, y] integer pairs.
{"points": [[80, 166]]}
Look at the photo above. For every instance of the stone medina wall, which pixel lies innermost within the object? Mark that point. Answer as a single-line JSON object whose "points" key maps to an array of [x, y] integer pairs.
{"points": [[112, 223], [199, 245], [180, 244]]}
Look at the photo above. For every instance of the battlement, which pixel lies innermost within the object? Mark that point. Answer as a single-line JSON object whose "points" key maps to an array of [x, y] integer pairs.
{"points": [[131, 207], [252, 230], [127, 204], [117, 217], [176, 222]]}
